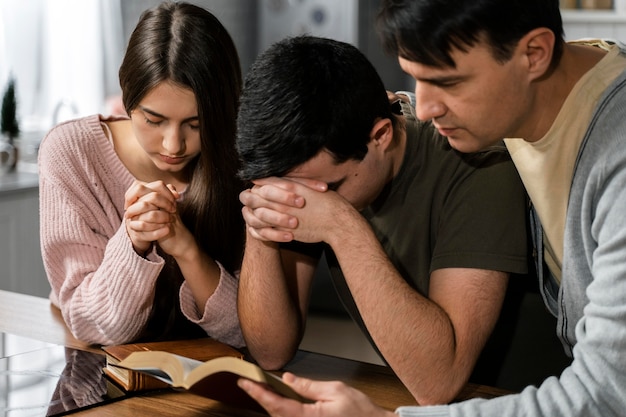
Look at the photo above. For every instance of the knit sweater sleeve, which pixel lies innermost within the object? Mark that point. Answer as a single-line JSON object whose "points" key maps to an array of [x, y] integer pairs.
{"points": [[220, 319], [103, 288]]}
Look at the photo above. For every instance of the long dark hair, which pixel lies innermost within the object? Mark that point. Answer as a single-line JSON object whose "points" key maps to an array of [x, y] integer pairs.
{"points": [[186, 44]]}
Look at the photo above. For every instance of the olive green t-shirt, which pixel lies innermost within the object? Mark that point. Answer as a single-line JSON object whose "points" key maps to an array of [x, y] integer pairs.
{"points": [[445, 209]]}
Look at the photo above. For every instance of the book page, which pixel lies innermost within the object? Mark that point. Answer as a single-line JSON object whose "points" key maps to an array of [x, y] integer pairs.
{"points": [[167, 367], [188, 364]]}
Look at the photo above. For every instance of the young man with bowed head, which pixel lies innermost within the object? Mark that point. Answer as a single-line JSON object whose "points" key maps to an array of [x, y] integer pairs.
{"points": [[487, 69], [420, 238]]}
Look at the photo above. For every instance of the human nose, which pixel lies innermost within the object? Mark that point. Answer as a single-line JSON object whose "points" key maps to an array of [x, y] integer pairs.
{"points": [[174, 140], [428, 104]]}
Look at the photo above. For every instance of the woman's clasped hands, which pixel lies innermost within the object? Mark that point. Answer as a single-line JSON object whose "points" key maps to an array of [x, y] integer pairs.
{"points": [[151, 216]]}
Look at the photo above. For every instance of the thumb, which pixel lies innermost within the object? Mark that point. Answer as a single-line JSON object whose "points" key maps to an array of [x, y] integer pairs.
{"points": [[307, 388]]}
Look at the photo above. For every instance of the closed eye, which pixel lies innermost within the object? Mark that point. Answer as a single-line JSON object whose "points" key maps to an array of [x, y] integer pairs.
{"points": [[152, 122], [193, 124], [444, 82], [334, 186]]}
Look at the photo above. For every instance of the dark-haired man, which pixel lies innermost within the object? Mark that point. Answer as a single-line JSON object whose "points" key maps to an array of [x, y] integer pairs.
{"points": [[421, 239]]}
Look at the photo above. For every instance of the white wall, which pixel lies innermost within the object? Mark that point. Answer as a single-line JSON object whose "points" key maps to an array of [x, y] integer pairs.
{"points": [[595, 29], [596, 23]]}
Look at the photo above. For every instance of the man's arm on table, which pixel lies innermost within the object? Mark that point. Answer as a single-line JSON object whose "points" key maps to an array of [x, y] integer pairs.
{"points": [[274, 288], [432, 344]]}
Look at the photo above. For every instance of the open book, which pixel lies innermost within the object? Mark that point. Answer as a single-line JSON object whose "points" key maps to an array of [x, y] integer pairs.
{"points": [[215, 378], [201, 349]]}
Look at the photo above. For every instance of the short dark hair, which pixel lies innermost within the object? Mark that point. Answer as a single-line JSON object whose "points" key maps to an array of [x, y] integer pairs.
{"points": [[303, 95], [426, 31], [186, 44]]}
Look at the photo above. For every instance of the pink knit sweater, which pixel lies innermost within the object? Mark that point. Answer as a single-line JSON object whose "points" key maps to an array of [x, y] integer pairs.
{"points": [[104, 289]]}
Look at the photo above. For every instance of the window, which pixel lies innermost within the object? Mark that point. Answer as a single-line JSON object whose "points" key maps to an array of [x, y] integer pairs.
{"points": [[64, 56]]}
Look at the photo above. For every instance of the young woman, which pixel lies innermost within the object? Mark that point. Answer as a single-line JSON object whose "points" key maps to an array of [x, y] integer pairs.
{"points": [[141, 229]]}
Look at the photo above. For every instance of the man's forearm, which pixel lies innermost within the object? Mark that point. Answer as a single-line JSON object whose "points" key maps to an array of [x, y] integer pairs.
{"points": [[270, 320], [426, 343]]}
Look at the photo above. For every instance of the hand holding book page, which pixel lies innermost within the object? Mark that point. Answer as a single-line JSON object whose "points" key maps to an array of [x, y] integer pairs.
{"points": [[215, 379]]}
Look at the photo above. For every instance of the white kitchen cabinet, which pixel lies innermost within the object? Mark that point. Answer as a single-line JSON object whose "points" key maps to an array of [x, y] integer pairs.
{"points": [[21, 266]]}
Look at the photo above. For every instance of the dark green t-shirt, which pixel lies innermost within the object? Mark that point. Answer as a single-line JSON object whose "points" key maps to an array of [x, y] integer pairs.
{"points": [[446, 209]]}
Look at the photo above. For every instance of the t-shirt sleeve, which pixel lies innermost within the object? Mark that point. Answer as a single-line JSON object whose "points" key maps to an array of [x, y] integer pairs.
{"points": [[495, 237]]}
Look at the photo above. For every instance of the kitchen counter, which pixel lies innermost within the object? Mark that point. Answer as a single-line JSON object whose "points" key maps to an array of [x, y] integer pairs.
{"points": [[20, 253], [18, 181]]}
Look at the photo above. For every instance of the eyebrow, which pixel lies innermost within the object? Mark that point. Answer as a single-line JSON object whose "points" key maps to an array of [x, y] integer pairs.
{"points": [[155, 114]]}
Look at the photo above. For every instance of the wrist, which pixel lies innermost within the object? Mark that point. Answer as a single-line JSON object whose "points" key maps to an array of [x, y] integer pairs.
{"points": [[142, 250], [349, 226], [187, 253], [148, 250]]}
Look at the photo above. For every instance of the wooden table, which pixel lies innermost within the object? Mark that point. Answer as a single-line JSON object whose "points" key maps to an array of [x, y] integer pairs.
{"points": [[36, 318]]}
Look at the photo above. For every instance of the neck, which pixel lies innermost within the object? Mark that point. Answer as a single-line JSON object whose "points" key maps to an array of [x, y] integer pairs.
{"points": [[552, 90]]}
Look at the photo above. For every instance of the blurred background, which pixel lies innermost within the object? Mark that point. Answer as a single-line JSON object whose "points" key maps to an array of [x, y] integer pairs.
{"points": [[64, 54]]}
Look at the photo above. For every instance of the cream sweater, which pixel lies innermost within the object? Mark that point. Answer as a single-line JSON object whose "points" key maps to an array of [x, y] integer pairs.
{"points": [[104, 289]]}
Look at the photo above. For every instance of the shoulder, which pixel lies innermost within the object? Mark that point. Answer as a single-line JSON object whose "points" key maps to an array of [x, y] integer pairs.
{"points": [[494, 168], [77, 134], [73, 147], [494, 157], [607, 130], [414, 126], [437, 161]]}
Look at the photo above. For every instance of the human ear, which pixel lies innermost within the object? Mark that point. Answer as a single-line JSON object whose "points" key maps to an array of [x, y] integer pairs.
{"points": [[382, 133], [538, 48]]}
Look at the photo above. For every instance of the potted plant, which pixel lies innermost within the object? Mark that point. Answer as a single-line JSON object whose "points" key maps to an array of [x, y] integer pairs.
{"points": [[9, 128]]}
